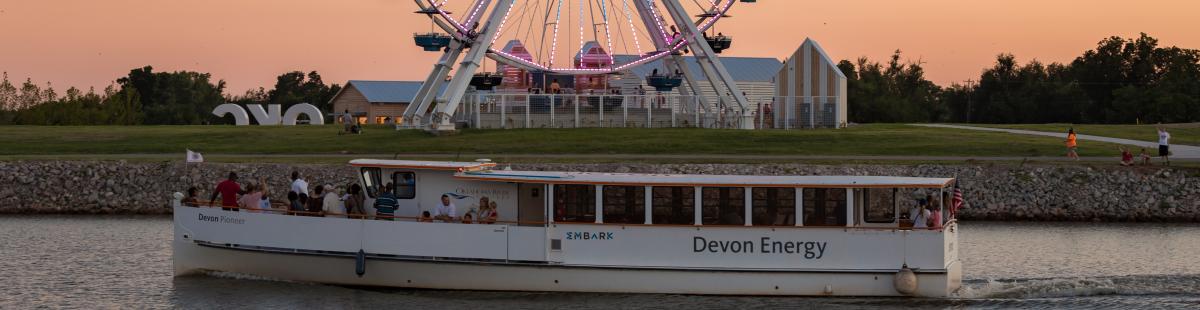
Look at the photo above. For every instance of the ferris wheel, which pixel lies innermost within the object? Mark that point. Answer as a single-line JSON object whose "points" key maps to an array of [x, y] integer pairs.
{"points": [[568, 37]]}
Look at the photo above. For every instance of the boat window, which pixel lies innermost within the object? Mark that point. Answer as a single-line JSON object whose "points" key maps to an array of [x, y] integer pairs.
{"points": [[881, 205], [370, 178], [723, 206], [674, 205], [824, 207], [404, 184], [625, 204], [575, 203], [773, 206]]}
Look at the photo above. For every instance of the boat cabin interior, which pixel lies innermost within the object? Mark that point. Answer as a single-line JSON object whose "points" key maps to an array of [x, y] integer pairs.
{"points": [[527, 197]]}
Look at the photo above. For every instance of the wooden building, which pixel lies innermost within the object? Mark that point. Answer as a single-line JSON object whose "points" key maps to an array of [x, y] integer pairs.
{"points": [[374, 102]]}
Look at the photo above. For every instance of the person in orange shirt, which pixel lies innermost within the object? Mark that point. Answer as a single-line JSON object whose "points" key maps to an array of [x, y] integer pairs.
{"points": [[1071, 145]]}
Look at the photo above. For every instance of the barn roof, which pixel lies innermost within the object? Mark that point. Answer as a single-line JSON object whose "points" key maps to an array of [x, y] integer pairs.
{"points": [[742, 69], [388, 91]]}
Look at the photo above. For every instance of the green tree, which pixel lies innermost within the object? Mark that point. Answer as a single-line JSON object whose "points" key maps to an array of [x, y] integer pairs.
{"points": [[297, 87], [180, 97]]}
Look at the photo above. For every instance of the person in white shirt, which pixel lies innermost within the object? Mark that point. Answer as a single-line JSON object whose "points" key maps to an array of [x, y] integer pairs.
{"points": [[299, 186], [330, 203], [1164, 145], [446, 211]]}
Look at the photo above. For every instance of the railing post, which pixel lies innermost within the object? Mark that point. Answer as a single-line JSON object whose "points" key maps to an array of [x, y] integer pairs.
{"points": [[503, 114], [649, 117], [672, 107], [552, 111], [601, 105], [478, 102], [697, 105], [527, 108], [576, 111], [624, 111]]}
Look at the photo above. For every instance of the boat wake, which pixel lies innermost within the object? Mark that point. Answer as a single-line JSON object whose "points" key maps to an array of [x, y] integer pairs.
{"points": [[1079, 287]]}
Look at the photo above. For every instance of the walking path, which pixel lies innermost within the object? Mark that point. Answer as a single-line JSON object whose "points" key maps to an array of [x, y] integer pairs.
{"points": [[1177, 151]]}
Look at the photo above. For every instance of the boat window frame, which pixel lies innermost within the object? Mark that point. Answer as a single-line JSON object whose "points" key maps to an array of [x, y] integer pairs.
{"points": [[584, 203], [866, 203], [396, 184], [784, 198], [732, 201], [629, 208], [686, 201], [368, 175], [837, 212]]}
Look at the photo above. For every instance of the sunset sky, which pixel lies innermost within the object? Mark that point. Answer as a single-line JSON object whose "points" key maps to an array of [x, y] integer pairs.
{"points": [[248, 42]]}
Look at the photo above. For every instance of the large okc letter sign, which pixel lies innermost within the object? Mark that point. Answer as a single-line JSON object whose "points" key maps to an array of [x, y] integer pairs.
{"points": [[270, 115]]}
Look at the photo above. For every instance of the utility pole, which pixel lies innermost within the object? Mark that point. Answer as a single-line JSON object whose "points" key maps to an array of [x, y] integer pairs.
{"points": [[970, 93]]}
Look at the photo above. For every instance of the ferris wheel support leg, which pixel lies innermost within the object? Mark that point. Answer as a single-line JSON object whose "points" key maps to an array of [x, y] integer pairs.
{"points": [[417, 112], [676, 62], [709, 62], [466, 69]]}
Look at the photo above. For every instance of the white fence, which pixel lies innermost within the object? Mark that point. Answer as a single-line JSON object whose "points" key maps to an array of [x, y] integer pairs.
{"points": [[524, 110]]}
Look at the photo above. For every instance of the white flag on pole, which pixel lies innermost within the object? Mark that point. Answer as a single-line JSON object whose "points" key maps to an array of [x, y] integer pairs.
{"points": [[194, 157]]}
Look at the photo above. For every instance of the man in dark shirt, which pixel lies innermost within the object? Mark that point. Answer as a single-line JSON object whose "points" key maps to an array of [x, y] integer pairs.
{"points": [[316, 203], [385, 204], [229, 190]]}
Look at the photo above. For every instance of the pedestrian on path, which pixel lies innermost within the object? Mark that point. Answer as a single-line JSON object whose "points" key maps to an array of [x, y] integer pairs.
{"points": [[1071, 144], [1164, 146]]}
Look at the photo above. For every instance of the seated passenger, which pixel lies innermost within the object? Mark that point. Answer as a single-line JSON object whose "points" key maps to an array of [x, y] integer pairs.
{"points": [[294, 203], [935, 217], [386, 204], [466, 219], [489, 215], [316, 203], [921, 220], [191, 200], [250, 201], [446, 211], [330, 205], [425, 217]]}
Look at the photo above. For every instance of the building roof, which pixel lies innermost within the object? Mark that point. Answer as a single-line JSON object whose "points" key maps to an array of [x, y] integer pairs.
{"points": [[634, 179], [388, 91], [426, 165], [824, 57], [741, 69]]}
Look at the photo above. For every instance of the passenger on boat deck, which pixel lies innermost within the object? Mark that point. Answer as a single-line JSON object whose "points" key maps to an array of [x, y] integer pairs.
{"points": [[299, 186], [191, 200], [385, 204], [446, 211], [921, 217], [354, 202], [331, 206], [489, 214], [250, 201], [265, 201], [425, 217], [466, 219], [294, 203], [316, 202], [935, 216], [229, 190]]}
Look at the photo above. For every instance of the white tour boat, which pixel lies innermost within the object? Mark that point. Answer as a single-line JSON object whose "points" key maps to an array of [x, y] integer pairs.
{"points": [[597, 232]]}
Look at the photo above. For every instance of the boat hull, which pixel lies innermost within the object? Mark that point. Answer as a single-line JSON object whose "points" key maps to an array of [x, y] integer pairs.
{"points": [[339, 269]]}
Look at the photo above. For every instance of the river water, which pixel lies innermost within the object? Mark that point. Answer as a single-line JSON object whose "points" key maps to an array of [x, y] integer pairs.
{"points": [[125, 262]]}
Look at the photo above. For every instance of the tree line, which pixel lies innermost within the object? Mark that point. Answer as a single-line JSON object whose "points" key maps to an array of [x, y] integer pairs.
{"points": [[1121, 81], [146, 97]]}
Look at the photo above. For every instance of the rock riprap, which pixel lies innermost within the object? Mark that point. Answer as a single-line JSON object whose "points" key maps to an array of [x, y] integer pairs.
{"points": [[992, 192]]}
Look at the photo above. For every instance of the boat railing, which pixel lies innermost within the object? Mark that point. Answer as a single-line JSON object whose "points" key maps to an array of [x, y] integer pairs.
{"points": [[285, 211]]}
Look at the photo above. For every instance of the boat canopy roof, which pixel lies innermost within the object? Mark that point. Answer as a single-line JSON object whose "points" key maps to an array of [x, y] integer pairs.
{"points": [[633, 179], [422, 165]]}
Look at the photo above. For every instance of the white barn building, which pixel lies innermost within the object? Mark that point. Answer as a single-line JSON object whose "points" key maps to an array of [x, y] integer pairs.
{"points": [[810, 90]]}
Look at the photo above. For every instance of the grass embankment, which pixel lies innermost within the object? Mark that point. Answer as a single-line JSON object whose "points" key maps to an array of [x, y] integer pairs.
{"points": [[1188, 134], [868, 140]]}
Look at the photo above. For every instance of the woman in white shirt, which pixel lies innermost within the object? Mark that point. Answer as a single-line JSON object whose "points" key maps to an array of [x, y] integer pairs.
{"points": [[331, 204]]}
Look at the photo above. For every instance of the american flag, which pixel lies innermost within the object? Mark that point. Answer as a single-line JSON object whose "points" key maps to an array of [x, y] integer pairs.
{"points": [[957, 202]]}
